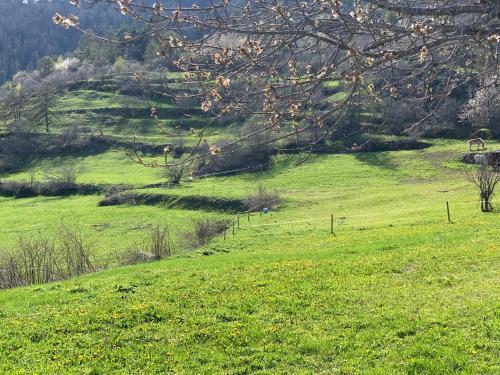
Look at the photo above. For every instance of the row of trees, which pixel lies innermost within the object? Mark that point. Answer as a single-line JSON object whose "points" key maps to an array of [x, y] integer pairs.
{"points": [[29, 100], [34, 104]]}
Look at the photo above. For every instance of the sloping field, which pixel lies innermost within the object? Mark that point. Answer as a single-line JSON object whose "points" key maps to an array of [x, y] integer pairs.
{"points": [[396, 289]]}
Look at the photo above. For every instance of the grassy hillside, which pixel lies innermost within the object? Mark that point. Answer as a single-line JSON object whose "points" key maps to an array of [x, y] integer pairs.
{"points": [[397, 289]]}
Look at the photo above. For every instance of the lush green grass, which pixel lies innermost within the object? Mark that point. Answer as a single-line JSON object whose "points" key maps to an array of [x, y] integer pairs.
{"points": [[91, 99], [337, 97], [331, 84], [86, 103], [396, 290], [109, 230], [111, 167]]}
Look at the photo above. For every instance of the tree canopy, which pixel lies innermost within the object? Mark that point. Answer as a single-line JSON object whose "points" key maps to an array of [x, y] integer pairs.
{"points": [[272, 57]]}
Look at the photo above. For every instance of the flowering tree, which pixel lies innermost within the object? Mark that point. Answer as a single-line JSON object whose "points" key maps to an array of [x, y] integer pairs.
{"points": [[272, 58], [485, 104]]}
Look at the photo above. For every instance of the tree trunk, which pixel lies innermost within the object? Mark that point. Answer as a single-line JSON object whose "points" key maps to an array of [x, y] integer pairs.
{"points": [[47, 130], [486, 205]]}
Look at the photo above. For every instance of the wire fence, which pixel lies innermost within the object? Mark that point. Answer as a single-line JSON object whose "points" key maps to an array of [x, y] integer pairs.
{"points": [[444, 209], [256, 167], [330, 222]]}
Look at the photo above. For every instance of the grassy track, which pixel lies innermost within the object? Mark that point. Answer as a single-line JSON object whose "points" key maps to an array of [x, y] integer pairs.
{"points": [[396, 290]]}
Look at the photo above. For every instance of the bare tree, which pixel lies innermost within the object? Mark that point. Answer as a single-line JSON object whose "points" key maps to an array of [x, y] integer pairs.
{"points": [[273, 57], [485, 178]]}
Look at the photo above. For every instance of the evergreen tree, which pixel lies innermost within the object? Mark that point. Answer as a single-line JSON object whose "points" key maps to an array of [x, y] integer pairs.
{"points": [[41, 105]]}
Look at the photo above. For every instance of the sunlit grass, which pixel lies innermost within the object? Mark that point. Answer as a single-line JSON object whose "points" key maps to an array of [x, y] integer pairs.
{"points": [[397, 289]]}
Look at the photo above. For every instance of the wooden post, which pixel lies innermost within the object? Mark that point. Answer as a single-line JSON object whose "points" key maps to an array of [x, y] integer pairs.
{"points": [[261, 168], [331, 224], [225, 234], [233, 227], [248, 216], [448, 211], [238, 220]]}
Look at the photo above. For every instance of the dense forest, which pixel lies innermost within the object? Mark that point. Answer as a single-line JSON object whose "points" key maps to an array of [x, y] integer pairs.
{"points": [[28, 33]]}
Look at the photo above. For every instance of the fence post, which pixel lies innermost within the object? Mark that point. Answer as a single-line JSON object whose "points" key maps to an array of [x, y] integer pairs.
{"points": [[225, 234], [448, 211], [331, 224], [238, 220], [233, 227], [248, 216]]}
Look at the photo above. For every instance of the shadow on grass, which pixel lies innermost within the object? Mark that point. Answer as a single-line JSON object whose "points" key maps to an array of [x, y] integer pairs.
{"points": [[378, 160]]}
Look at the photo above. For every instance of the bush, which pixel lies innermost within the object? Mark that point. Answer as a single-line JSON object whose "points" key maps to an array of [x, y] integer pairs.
{"points": [[159, 244], [66, 175], [7, 163], [20, 189], [135, 256], [9, 188], [117, 189], [262, 198], [203, 231], [26, 190], [175, 173], [40, 260], [77, 254], [62, 181], [124, 197], [483, 133]]}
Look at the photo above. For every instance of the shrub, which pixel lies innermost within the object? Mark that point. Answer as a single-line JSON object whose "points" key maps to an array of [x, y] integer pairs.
{"points": [[29, 188], [117, 189], [10, 188], [20, 189], [62, 181], [159, 244], [26, 190], [77, 254], [66, 175], [119, 198], [39, 260], [175, 173], [7, 163], [252, 154], [484, 133], [203, 231], [135, 256], [261, 198]]}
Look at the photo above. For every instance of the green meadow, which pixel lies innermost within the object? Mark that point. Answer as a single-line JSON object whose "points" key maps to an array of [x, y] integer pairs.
{"points": [[395, 289]]}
